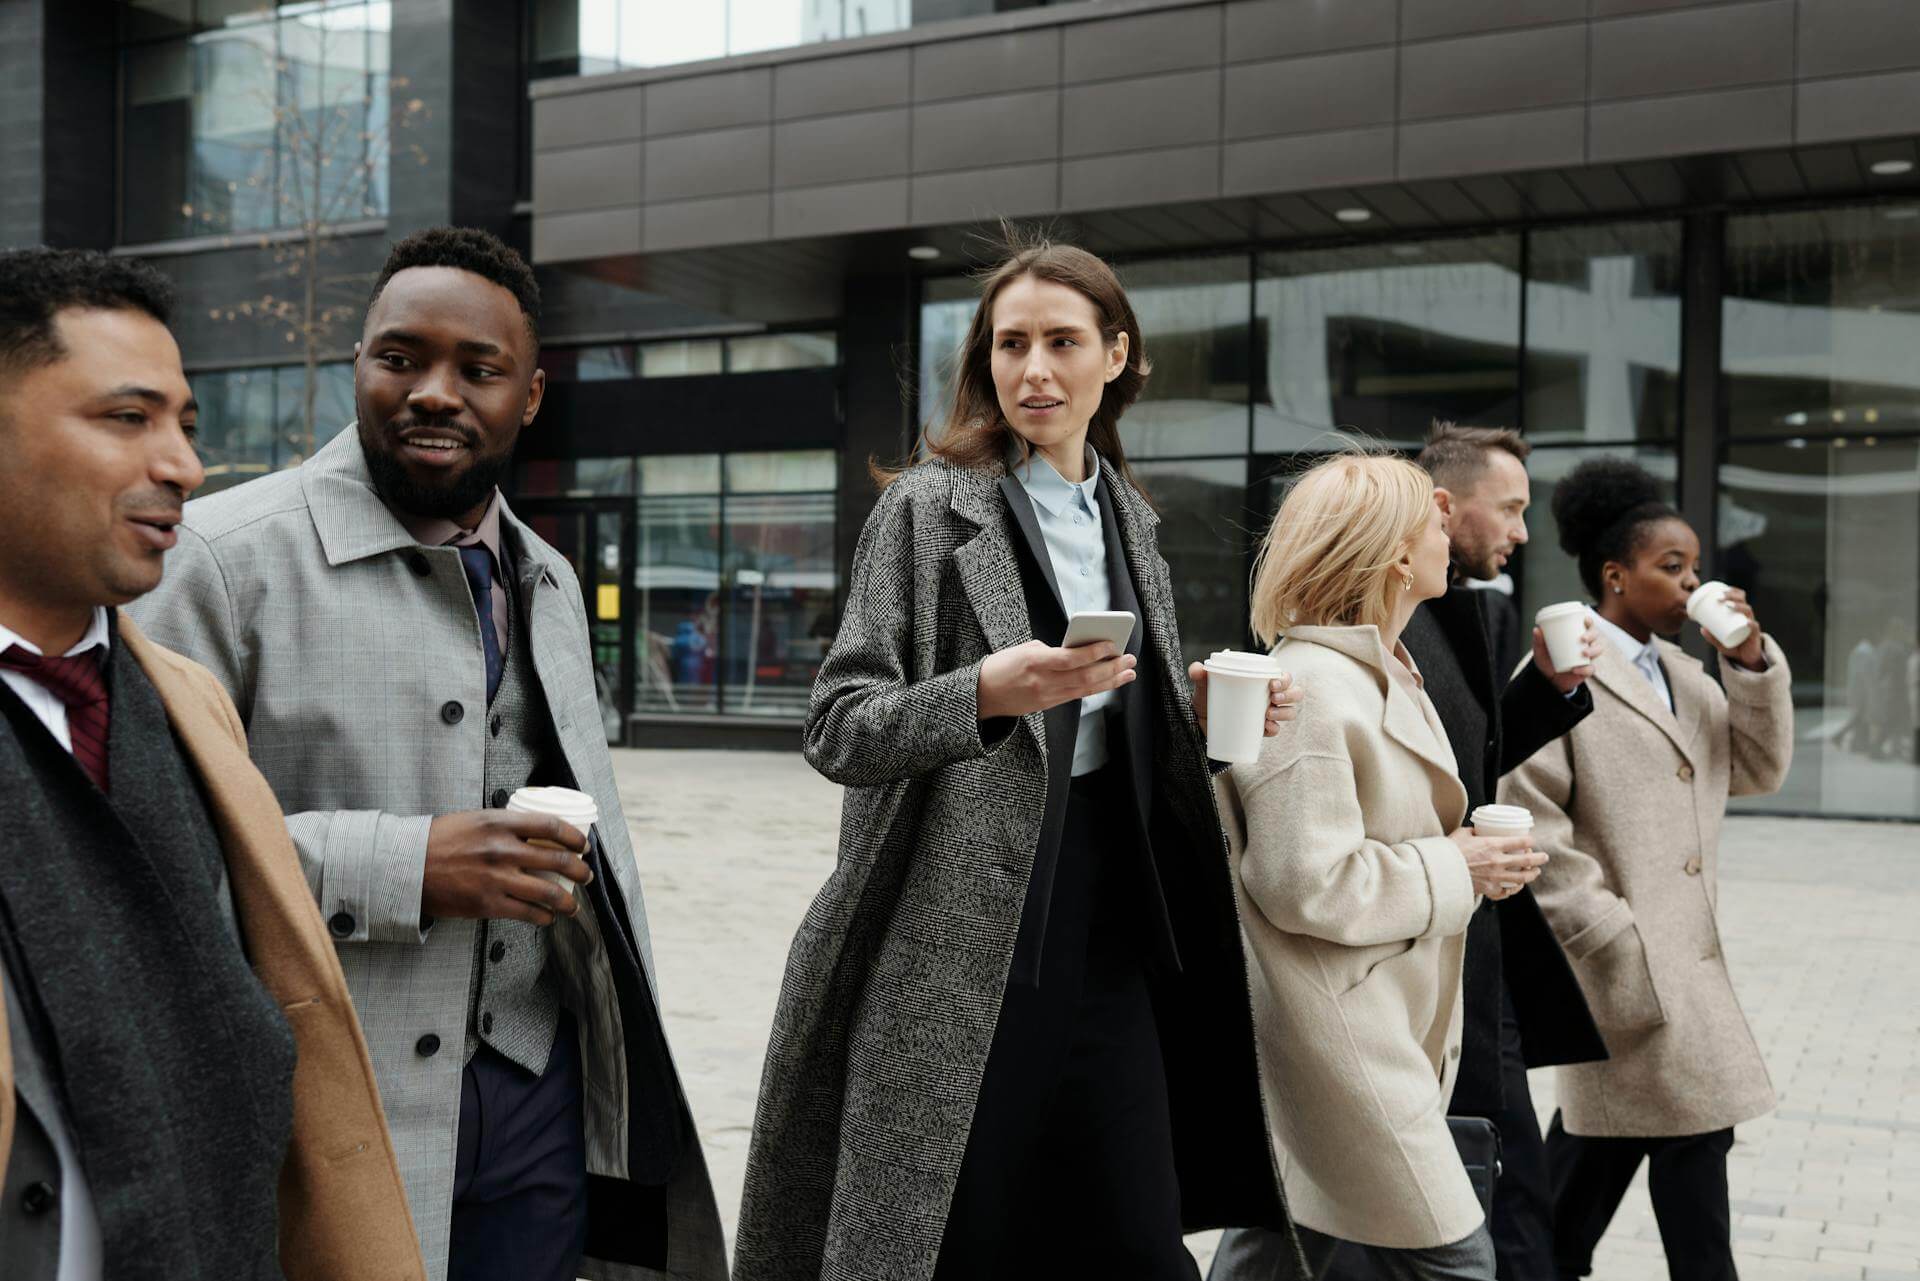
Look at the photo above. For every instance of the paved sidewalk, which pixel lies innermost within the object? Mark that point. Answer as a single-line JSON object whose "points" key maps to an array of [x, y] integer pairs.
{"points": [[1821, 922]]}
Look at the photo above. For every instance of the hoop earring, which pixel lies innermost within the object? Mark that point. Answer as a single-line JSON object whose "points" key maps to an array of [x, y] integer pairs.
{"points": [[1406, 584]]}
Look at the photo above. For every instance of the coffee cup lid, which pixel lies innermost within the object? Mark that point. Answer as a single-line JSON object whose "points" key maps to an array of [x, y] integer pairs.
{"points": [[1509, 814], [1237, 662], [577, 808], [1555, 611], [1713, 590]]}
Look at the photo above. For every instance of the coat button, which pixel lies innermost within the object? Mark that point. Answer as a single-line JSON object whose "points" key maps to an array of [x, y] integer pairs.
{"points": [[496, 952], [341, 924], [1685, 772], [451, 712], [418, 564], [37, 1197], [1453, 1051], [1693, 867], [494, 728], [499, 798], [427, 1046], [486, 1024]]}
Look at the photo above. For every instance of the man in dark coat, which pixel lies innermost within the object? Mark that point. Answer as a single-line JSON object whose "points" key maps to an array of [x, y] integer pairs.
{"points": [[1523, 1007]]}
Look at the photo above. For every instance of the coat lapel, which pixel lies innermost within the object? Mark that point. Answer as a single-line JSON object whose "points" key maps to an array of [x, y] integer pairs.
{"points": [[1685, 677], [1028, 523], [1620, 677], [1139, 537], [1401, 720], [989, 573]]}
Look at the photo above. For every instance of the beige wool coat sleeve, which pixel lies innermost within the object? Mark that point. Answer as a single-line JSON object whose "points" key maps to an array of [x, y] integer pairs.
{"points": [[1354, 907], [1628, 807]]}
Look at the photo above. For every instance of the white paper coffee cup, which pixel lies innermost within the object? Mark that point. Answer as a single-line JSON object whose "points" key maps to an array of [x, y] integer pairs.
{"points": [[1238, 688], [575, 808], [1563, 625], [1501, 820], [1708, 607]]}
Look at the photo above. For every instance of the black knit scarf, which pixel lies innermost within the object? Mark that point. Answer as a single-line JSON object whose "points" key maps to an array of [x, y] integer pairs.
{"points": [[172, 1064]]}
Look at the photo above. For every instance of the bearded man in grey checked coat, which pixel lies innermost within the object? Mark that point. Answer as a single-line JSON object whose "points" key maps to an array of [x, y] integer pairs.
{"points": [[406, 655]]}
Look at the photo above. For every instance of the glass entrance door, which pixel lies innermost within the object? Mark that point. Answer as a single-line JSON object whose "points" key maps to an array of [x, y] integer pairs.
{"points": [[595, 536]]}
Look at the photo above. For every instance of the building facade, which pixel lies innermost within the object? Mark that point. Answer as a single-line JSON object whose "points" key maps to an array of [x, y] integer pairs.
{"points": [[1683, 230]]}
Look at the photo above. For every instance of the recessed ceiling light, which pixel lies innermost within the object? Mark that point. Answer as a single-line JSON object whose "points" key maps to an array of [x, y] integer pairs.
{"points": [[1891, 168], [923, 253], [1905, 213], [1355, 214], [1409, 251]]}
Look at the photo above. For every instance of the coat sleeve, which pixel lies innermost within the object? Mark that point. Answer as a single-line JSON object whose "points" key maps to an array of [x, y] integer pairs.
{"points": [[1759, 723], [1533, 713], [1309, 865], [363, 866], [870, 721]]}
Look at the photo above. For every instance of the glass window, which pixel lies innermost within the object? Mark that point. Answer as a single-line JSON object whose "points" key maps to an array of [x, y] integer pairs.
{"points": [[780, 602], [1821, 322], [254, 421], [947, 304], [782, 351], [677, 582], [681, 358], [1204, 536], [680, 474], [1825, 538], [606, 363], [782, 472], [257, 119], [1603, 333], [574, 477], [1194, 315], [1383, 338], [589, 37]]}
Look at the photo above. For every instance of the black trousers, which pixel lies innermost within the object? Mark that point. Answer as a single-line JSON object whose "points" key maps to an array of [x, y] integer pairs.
{"points": [[1522, 1218], [520, 1177], [1687, 1180], [1069, 1164]]}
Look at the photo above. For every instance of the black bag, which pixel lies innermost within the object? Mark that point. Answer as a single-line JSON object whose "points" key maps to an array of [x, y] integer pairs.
{"points": [[1479, 1144]]}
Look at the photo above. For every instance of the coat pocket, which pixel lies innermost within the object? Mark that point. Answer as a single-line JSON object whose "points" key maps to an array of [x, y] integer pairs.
{"points": [[1615, 975]]}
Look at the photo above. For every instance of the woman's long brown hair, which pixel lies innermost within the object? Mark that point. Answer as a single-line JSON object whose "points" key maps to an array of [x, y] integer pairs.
{"points": [[976, 434]]}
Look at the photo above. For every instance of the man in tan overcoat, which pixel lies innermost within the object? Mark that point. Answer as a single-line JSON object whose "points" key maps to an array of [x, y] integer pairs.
{"points": [[184, 1090]]}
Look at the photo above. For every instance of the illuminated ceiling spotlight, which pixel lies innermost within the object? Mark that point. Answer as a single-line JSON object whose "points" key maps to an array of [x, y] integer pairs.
{"points": [[1353, 214], [1891, 168], [923, 253]]}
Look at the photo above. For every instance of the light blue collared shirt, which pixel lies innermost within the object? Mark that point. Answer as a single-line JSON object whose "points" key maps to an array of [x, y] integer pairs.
{"points": [[1069, 517], [1645, 658]]}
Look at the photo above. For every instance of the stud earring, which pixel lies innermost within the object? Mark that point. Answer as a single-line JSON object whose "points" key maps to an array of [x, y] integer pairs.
{"points": [[1618, 590], [1406, 584]]}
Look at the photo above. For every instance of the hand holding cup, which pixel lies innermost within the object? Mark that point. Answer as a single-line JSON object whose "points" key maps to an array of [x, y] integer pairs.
{"points": [[1728, 623], [494, 864], [1283, 698]]}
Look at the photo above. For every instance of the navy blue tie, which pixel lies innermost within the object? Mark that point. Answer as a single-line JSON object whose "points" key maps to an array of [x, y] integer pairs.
{"points": [[478, 562]]}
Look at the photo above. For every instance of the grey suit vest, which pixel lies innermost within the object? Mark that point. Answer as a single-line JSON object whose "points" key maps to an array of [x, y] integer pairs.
{"points": [[516, 997]]}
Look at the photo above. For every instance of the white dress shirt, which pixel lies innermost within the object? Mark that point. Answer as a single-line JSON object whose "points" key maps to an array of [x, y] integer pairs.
{"points": [[43, 702], [1069, 516], [1644, 657], [80, 1255]]}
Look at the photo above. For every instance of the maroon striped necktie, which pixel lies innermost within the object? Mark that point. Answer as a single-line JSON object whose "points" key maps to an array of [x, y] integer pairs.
{"points": [[78, 682]]}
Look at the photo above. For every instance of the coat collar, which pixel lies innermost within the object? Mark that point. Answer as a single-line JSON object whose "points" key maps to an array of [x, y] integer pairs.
{"points": [[1624, 680], [1401, 719], [355, 524]]}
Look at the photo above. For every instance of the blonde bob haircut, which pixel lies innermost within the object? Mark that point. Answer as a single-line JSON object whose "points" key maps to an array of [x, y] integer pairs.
{"points": [[1328, 560]]}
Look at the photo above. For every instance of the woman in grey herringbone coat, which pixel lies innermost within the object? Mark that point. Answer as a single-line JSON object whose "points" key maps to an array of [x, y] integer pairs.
{"points": [[1014, 1036]]}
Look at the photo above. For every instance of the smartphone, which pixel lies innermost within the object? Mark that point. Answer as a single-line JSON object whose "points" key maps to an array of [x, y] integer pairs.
{"points": [[1089, 627]]}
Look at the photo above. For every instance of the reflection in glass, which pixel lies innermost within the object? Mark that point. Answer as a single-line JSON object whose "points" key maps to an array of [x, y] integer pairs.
{"points": [[1204, 534], [1194, 315], [676, 581], [254, 421], [1825, 537], [1603, 333], [680, 358], [780, 601], [1821, 321], [573, 478], [1384, 338], [764, 352], [946, 309], [590, 37]]}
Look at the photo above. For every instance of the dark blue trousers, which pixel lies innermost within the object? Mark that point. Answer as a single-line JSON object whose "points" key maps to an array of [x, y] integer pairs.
{"points": [[520, 1181]]}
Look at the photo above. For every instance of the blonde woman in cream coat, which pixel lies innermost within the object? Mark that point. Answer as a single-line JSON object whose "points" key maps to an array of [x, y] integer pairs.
{"points": [[1356, 881]]}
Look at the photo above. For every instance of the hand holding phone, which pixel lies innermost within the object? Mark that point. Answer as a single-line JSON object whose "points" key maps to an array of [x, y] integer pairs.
{"points": [[1089, 627]]}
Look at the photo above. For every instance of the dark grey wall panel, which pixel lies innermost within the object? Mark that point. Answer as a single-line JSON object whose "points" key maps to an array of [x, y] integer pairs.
{"points": [[1302, 162], [854, 206], [722, 220], [1491, 144], [587, 178], [977, 132], [1425, 19], [574, 120], [1867, 107], [717, 163], [978, 194], [1334, 91], [1156, 111], [1285, 28], [986, 64], [1846, 37], [1480, 75], [1108, 182], [1176, 40], [860, 82], [712, 101], [1717, 48], [1695, 124], [1614, 8], [868, 144]]}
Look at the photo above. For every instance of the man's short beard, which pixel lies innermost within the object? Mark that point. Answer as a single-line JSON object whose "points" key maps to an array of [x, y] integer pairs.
{"points": [[461, 494]]}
